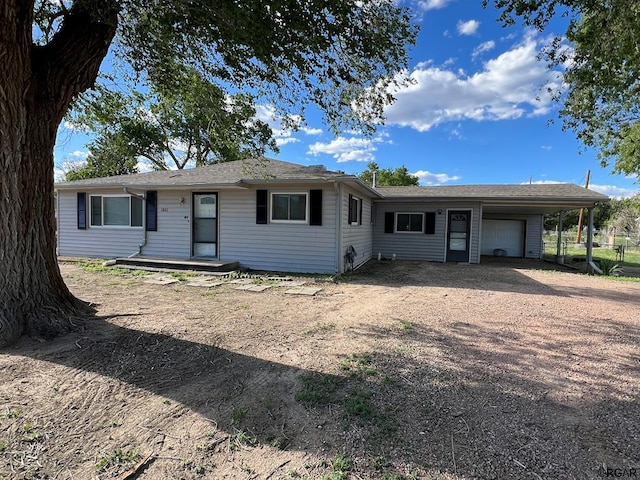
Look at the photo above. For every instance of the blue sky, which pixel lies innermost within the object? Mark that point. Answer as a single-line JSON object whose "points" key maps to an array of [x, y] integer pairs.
{"points": [[476, 113]]}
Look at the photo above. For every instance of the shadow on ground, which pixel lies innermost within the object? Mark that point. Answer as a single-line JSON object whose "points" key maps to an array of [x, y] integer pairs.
{"points": [[477, 415]]}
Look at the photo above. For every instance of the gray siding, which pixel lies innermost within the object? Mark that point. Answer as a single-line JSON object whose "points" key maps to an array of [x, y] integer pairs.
{"points": [[99, 242], [420, 246], [173, 237], [359, 236], [276, 246], [533, 232], [533, 239]]}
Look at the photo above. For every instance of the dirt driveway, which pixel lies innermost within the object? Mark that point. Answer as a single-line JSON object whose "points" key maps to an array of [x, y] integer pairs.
{"points": [[401, 370]]}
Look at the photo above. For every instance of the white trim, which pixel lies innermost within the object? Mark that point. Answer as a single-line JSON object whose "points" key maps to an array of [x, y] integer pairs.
{"points": [[113, 195], [306, 209]]}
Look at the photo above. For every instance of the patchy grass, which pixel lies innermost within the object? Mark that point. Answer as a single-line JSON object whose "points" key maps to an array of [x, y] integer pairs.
{"points": [[321, 328], [98, 266], [318, 389], [116, 459]]}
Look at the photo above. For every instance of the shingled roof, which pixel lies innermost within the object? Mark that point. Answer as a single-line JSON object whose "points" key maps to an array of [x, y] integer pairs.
{"points": [[228, 174], [547, 191]]}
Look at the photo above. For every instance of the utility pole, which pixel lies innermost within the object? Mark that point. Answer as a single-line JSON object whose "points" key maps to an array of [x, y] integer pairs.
{"points": [[582, 211]]}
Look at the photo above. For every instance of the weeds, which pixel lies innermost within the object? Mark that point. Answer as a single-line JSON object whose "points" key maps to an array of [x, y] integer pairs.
{"points": [[405, 325], [359, 364], [242, 439], [317, 389], [238, 414], [97, 266], [340, 468], [117, 458], [3, 445], [13, 413], [320, 328]]}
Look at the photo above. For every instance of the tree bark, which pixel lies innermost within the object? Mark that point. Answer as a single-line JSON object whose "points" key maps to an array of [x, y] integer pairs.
{"points": [[37, 84]]}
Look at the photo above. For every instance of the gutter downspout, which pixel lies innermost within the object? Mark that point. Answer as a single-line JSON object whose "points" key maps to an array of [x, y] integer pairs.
{"points": [[144, 221], [336, 189]]}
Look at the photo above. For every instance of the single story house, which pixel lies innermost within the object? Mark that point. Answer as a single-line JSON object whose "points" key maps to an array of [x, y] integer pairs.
{"points": [[280, 216]]}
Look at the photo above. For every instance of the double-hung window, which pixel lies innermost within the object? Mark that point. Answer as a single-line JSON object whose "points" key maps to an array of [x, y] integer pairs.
{"points": [[289, 207], [116, 211]]}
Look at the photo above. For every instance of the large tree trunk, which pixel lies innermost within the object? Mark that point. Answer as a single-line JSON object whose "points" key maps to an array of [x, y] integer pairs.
{"points": [[37, 84]]}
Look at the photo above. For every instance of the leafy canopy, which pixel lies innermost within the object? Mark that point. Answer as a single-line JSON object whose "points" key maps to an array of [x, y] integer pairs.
{"points": [[388, 177], [345, 56], [602, 103], [189, 123]]}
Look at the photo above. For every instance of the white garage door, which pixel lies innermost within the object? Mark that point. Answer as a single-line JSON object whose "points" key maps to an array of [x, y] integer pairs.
{"points": [[507, 235]]}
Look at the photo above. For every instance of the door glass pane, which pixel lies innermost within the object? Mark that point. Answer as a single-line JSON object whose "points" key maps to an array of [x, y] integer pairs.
{"points": [[458, 223], [458, 241], [205, 206], [204, 230], [116, 210], [204, 249]]}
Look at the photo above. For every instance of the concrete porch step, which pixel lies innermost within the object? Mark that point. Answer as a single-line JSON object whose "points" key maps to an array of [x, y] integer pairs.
{"points": [[195, 264]]}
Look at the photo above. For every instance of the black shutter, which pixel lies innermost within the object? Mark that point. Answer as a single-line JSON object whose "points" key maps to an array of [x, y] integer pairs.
{"points": [[388, 222], [82, 211], [430, 223], [152, 211], [350, 209], [261, 206], [360, 215], [315, 207]]}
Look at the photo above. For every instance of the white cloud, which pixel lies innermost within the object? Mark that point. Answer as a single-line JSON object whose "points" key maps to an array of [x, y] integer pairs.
{"points": [[614, 191], [345, 149], [280, 141], [507, 87], [483, 47], [282, 133], [79, 154], [469, 27], [433, 4], [428, 178]]}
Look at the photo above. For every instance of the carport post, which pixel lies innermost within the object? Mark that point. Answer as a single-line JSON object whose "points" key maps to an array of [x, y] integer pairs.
{"points": [[559, 258], [590, 242]]}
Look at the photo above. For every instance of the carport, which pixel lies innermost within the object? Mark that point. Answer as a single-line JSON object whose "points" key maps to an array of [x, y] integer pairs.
{"points": [[463, 222]]}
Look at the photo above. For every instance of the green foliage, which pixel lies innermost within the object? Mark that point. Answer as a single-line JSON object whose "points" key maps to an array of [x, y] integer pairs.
{"points": [[117, 458], [341, 465], [602, 104], [317, 389], [188, 121], [388, 177], [109, 156], [610, 268]]}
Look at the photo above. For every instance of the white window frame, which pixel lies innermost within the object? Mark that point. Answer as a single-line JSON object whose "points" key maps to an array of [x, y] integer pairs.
{"points": [[358, 204], [272, 206], [409, 232], [112, 195]]}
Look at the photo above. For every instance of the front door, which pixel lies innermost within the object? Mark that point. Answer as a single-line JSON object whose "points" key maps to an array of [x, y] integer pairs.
{"points": [[205, 225], [458, 235]]}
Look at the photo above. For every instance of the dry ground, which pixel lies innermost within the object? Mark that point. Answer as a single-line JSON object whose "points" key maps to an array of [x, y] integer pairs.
{"points": [[401, 370]]}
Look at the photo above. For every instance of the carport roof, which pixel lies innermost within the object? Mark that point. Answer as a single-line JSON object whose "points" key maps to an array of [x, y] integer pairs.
{"points": [[544, 198]]}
